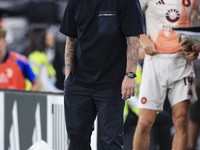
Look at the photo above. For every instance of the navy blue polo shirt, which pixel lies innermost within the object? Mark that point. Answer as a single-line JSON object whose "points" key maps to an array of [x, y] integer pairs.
{"points": [[101, 28]]}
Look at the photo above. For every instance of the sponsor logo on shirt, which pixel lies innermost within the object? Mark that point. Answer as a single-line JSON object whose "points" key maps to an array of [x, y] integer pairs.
{"points": [[9, 73], [5, 76], [172, 15], [167, 28]]}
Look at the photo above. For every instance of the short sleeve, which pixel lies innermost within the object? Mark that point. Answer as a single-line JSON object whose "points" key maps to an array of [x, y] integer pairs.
{"points": [[68, 26], [29, 74], [26, 69], [132, 20]]}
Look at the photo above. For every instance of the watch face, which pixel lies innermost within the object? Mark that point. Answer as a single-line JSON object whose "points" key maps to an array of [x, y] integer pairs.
{"points": [[131, 75]]}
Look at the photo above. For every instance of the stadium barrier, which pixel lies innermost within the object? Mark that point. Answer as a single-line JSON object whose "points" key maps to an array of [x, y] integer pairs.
{"points": [[29, 117]]}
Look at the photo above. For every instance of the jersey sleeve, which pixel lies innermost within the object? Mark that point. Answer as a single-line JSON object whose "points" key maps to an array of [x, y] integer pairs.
{"points": [[26, 69], [131, 18], [68, 26], [29, 74]]}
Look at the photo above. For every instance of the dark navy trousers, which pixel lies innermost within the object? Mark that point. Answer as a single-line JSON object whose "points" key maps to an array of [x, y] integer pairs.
{"points": [[82, 105]]}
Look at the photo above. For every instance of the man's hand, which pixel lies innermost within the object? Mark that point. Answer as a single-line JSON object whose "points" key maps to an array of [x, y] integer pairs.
{"points": [[191, 55], [196, 48], [191, 52], [128, 87], [147, 44], [186, 45]]}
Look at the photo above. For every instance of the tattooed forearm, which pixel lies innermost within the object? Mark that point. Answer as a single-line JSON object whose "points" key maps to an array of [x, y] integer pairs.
{"points": [[133, 45], [69, 52]]}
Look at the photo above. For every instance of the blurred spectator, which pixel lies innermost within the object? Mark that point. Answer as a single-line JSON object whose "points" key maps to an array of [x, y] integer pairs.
{"points": [[50, 43], [16, 37], [40, 41], [14, 68]]}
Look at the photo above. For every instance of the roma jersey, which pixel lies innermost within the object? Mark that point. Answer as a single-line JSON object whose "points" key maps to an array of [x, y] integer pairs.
{"points": [[162, 16], [13, 71]]}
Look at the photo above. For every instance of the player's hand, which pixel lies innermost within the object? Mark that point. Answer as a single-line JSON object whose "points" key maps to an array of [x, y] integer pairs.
{"points": [[147, 44], [196, 48], [192, 55], [128, 87], [186, 45], [191, 52]]}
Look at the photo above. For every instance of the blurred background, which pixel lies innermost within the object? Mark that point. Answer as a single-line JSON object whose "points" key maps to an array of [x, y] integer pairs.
{"points": [[21, 16]]}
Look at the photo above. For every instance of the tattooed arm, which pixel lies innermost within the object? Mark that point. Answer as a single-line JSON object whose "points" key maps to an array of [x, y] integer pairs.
{"points": [[132, 53], [69, 54], [128, 84]]}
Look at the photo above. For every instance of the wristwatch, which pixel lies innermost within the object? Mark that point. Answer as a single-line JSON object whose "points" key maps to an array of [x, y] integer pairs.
{"points": [[131, 75]]}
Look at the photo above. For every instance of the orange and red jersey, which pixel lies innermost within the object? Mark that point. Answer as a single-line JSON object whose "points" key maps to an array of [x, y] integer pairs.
{"points": [[162, 16], [14, 70]]}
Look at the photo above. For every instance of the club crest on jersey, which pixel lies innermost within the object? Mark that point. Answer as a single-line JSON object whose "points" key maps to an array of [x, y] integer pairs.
{"points": [[143, 100], [186, 3], [172, 15]]}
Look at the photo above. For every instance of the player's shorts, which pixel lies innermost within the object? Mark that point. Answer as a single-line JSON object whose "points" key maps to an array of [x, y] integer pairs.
{"points": [[162, 73]]}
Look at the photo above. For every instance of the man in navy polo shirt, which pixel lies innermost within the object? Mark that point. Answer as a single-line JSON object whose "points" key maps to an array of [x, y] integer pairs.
{"points": [[101, 58]]}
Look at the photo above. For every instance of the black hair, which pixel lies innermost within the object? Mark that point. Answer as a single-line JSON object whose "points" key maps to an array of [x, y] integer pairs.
{"points": [[37, 39]]}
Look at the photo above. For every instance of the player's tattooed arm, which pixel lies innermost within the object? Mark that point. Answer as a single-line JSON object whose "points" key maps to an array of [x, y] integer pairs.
{"points": [[133, 46], [69, 54]]}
